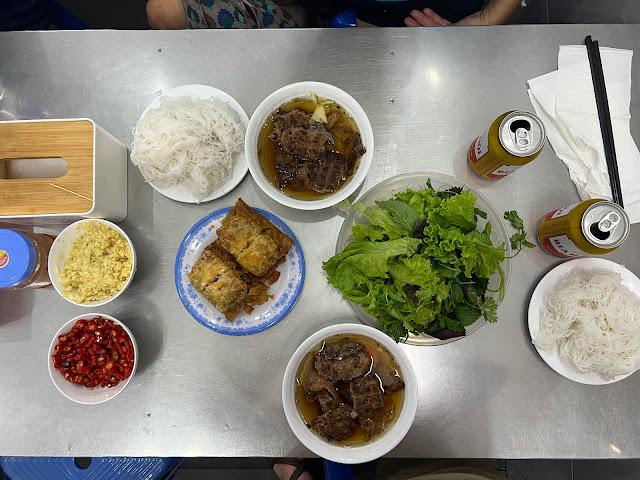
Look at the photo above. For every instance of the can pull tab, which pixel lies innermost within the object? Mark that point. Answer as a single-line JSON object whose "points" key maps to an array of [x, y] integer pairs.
{"points": [[605, 226], [521, 134], [609, 222]]}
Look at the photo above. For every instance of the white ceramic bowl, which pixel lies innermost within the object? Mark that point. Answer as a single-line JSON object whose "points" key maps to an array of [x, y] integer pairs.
{"points": [[80, 393], [298, 90], [382, 444], [60, 251]]}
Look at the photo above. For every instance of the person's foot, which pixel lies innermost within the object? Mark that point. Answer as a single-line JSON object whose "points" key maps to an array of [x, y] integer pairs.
{"points": [[290, 469]]}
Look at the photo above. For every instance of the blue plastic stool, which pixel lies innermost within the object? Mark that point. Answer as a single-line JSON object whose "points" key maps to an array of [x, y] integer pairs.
{"points": [[345, 19], [65, 468], [336, 471], [64, 19]]}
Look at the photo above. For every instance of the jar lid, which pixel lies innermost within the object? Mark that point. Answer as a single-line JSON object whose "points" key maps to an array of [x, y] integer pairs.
{"points": [[17, 258]]}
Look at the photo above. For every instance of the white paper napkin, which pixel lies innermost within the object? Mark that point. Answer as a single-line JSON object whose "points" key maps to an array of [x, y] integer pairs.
{"points": [[565, 102]]}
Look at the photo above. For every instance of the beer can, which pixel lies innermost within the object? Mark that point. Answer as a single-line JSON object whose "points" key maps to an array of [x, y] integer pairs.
{"points": [[592, 227], [513, 140]]}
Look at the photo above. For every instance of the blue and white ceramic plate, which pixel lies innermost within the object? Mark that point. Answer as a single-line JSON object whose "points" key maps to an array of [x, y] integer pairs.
{"points": [[285, 291]]}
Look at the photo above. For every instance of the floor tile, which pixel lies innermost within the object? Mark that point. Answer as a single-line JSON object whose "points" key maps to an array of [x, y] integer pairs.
{"points": [[559, 10], [609, 11], [540, 469], [534, 12], [225, 463], [512, 473], [217, 474], [606, 469]]}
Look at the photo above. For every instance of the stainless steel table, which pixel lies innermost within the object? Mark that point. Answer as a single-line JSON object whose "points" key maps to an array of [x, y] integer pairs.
{"points": [[428, 93]]}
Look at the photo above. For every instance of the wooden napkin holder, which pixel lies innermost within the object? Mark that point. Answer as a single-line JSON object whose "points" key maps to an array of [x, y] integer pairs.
{"points": [[95, 182]]}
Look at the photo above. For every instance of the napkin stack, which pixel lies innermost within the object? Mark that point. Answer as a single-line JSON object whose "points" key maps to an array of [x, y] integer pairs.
{"points": [[565, 102]]}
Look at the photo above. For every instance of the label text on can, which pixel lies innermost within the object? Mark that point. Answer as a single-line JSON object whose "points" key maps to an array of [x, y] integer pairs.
{"points": [[561, 212], [503, 171], [561, 246], [479, 147]]}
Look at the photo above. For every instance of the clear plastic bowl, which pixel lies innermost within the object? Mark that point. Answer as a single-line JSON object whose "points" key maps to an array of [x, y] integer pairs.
{"points": [[418, 181]]}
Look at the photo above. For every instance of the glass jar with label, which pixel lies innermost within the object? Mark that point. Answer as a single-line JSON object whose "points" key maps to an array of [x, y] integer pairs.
{"points": [[23, 259]]}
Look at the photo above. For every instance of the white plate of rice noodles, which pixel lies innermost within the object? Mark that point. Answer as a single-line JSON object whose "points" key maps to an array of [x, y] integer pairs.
{"points": [[584, 320], [189, 143]]}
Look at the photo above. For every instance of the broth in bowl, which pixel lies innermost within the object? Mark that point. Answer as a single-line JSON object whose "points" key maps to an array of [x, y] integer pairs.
{"points": [[349, 389], [310, 147]]}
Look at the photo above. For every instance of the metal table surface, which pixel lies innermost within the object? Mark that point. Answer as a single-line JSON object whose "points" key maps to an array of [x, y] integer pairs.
{"points": [[428, 93]]}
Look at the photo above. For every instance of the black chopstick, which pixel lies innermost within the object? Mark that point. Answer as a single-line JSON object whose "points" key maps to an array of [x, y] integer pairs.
{"points": [[597, 75]]}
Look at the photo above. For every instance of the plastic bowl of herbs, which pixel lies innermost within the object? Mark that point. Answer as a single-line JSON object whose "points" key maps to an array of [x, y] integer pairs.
{"points": [[424, 257]]}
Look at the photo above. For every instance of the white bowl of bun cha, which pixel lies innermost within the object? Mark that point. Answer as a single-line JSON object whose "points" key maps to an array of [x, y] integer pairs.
{"points": [[309, 145], [349, 393]]}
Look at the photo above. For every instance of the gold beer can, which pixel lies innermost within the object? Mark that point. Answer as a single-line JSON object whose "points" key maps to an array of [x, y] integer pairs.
{"points": [[513, 140], [592, 227]]}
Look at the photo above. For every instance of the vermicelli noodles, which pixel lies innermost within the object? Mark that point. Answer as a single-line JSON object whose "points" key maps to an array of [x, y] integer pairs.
{"points": [[189, 142], [592, 322]]}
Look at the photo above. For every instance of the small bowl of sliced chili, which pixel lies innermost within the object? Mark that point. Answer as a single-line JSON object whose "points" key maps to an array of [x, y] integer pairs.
{"points": [[92, 358]]}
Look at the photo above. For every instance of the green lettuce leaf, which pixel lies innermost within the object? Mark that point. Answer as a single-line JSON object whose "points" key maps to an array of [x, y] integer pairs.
{"points": [[371, 257], [362, 232], [421, 202], [459, 210], [416, 270]]}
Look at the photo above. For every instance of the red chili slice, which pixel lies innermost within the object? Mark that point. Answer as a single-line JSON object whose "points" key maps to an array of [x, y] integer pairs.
{"points": [[94, 352], [57, 361], [121, 348]]}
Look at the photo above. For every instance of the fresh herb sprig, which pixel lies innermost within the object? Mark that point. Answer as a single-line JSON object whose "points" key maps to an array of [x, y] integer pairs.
{"points": [[518, 240]]}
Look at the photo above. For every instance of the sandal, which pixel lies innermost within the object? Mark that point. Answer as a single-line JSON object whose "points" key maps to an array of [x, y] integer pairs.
{"points": [[296, 462]]}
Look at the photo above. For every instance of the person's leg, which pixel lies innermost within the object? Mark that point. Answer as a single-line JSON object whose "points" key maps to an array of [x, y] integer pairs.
{"points": [[166, 14], [236, 14]]}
